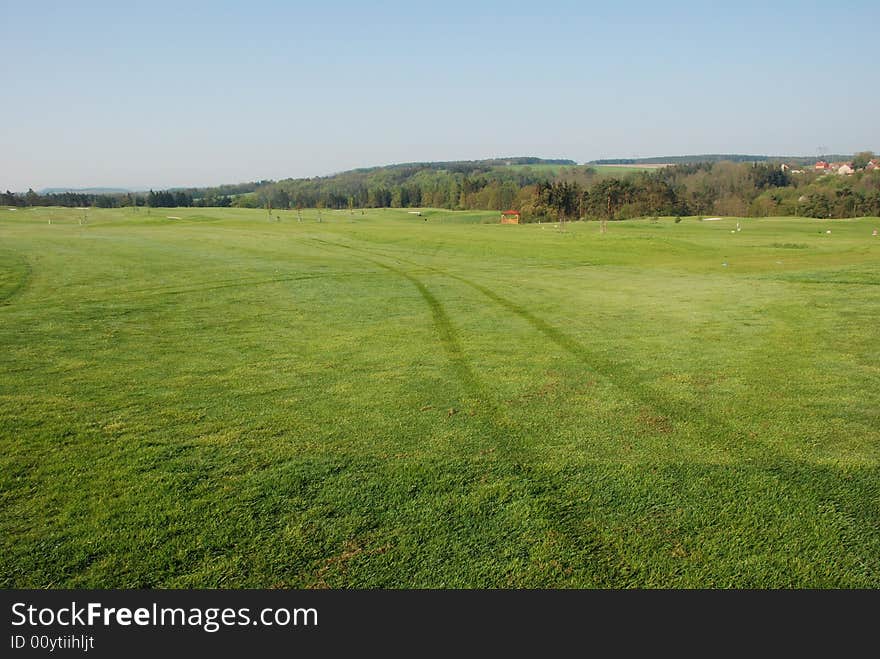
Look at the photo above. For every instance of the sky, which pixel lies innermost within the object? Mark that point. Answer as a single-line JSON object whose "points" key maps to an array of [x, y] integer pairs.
{"points": [[165, 94]]}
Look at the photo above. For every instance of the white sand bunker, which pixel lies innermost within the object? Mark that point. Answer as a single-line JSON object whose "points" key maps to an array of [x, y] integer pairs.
{"points": [[173, 217], [712, 219]]}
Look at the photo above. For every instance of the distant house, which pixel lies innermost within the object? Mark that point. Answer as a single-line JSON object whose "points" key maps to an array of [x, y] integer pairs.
{"points": [[873, 165], [822, 166], [845, 169], [510, 217]]}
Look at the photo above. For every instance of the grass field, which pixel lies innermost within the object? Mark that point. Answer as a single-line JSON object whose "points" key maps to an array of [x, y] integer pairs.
{"points": [[622, 170], [377, 400], [553, 171]]}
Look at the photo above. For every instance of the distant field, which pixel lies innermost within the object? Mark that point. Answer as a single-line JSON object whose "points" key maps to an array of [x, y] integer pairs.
{"points": [[620, 170], [548, 170], [228, 399], [606, 170]]}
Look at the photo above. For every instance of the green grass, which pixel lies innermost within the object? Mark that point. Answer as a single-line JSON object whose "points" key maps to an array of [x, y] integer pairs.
{"points": [[560, 170], [622, 170], [377, 400], [546, 169]]}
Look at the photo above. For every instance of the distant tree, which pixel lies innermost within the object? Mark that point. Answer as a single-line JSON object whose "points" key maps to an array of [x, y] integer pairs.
{"points": [[279, 198], [607, 197], [816, 204], [564, 197], [453, 194], [767, 176], [861, 159]]}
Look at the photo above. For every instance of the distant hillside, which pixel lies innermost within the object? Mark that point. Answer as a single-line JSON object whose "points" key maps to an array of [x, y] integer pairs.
{"points": [[457, 165], [542, 190], [717, 157], [85, 190], [464, 184]]}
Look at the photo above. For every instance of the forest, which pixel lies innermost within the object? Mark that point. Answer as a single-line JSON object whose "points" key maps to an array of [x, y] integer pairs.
{"points": [[543, 190]]}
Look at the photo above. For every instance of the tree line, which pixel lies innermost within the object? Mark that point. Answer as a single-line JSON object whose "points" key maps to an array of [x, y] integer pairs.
{"points": [[724, 188], [718, 157], [581, 192], [543, 190], [213, 197]]}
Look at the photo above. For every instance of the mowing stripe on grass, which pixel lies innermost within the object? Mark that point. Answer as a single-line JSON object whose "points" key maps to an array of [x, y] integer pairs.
{"points": [[15, 276], [490, 410], [621, 376], [445, 330], [238, 284]]}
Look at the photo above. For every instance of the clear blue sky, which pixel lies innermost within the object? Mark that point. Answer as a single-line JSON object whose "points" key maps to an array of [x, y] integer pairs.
{"points": [[199, 93]]}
